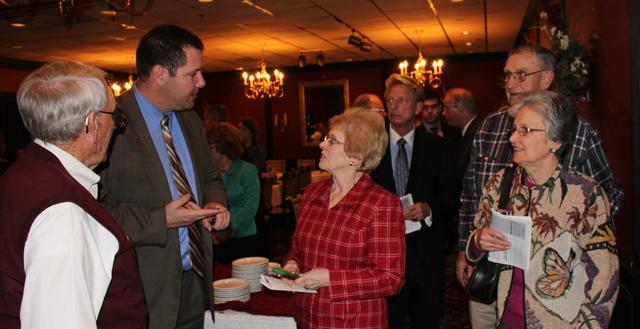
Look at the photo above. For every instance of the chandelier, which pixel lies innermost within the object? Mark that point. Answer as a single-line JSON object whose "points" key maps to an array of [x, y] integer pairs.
{"points": [[119, 87], [260, 85], [431, 77]]}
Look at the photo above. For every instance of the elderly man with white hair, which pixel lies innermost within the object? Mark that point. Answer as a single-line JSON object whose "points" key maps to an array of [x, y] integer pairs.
{"points": [[65, 262]]}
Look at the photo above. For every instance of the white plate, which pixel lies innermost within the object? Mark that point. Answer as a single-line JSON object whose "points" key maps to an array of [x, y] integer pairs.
{"points": [[250, 261], [232, 283]]}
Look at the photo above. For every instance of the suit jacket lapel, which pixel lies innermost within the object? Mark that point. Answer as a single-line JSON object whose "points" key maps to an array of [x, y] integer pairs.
{"points": [[385, 172], [140, 133], [415, 167]]}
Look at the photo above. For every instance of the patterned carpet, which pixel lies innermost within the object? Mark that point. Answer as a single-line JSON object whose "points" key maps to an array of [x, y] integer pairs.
{"points": [[456, 311]]}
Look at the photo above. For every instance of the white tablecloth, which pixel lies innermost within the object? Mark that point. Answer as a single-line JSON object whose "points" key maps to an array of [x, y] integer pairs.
{"points": [[230, 319]]}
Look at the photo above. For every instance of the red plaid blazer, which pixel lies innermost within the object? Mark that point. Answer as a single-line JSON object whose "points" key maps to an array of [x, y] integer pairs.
{"points": [[361, 242]]}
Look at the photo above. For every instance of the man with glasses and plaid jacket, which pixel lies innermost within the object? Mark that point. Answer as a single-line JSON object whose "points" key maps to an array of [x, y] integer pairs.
{"points": [[528, 68]]}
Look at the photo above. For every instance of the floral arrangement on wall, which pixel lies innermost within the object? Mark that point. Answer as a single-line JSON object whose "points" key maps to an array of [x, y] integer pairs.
{"points": [[574, 63]]}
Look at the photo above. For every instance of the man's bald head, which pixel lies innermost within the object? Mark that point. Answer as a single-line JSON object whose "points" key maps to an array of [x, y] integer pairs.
{"points": [[368, 102]]}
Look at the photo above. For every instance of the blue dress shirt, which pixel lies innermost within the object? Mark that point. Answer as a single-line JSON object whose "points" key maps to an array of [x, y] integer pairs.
{"points": [[152, 117]]}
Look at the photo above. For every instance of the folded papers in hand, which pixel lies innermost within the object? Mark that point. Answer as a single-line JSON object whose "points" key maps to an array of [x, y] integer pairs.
{"points": [[283, 285]]}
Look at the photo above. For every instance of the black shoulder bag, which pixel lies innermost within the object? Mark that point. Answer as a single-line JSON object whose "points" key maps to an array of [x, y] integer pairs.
{"points": [[483, 283]]}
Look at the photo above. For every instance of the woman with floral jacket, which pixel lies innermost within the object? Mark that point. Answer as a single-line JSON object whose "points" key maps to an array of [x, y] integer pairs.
{"points": [[572, 280]]}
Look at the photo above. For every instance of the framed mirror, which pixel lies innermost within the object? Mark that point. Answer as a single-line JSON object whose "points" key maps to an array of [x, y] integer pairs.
{"points": [[319, 101]]}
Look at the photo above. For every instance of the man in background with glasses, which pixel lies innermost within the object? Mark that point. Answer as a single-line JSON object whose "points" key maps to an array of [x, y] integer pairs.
{"points": [[528, 68], [415, 165], [432, 122], [64, 260]]}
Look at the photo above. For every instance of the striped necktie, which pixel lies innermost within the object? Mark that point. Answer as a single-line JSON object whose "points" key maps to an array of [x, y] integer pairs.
{"points": [[196, 251], [402, 168]]}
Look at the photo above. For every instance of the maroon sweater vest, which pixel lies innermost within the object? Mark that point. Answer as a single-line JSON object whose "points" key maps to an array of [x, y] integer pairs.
{"points": [[35, 182]]}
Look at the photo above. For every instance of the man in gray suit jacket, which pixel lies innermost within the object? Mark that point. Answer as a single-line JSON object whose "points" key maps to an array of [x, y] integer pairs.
{"points": [[140, 187]]}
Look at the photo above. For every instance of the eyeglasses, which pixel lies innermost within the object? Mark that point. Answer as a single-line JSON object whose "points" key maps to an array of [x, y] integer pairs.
{"points": [[519, 76], [332, 140], [524, 131], [119, 119], [400, 101]]}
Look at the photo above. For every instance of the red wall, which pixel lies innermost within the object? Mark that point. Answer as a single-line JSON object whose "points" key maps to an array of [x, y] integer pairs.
{"points": [[480, 74], [610, 110], [11, 79]]}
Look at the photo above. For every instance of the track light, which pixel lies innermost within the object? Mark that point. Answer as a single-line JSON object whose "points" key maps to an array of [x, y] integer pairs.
{"points": [[302, 60], [360, 41], [355, 40], [366, 47], [320, 59]]}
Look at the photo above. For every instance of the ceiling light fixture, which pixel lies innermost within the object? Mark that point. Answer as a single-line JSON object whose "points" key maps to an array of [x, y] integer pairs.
{"points": [[260, 85], [302, 60], [354, 40], [431, 77], [119, 87], [360, 41]]}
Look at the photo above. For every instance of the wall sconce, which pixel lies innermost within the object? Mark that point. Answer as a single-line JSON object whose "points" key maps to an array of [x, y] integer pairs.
{"points": [[282, 124], [302, 60], [320, 59]]}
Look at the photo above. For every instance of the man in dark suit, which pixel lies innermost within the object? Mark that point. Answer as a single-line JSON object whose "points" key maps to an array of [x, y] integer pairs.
{"points": [[415, 164], [161, 183], [460, 112], [433, 122]]}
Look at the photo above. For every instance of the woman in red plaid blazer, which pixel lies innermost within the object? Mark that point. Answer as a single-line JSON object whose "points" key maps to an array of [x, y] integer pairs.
{"points": [[349, 242]]}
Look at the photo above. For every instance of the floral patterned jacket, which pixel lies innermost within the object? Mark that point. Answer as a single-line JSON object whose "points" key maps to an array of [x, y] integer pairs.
{"points": [[573, 276]]}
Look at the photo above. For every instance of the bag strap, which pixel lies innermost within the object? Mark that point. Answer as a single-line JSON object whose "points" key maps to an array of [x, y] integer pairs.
{"points": [[505, 187]]}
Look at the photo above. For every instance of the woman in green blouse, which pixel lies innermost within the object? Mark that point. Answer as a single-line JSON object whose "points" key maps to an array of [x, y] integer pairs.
{"points": [[242, 186]]}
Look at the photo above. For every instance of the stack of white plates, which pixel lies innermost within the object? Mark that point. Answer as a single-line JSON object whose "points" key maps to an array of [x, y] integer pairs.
{"points": [[226, 290], [250, 268]]}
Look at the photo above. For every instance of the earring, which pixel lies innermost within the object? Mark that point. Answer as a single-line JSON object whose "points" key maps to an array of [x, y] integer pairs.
{"points": [[351, 163], [552, 150]]}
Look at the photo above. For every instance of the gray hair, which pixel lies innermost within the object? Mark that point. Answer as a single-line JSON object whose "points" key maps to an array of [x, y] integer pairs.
{"points": [[463, 99], [558, 112], [54, 100], [398, 79], [544, 55]]}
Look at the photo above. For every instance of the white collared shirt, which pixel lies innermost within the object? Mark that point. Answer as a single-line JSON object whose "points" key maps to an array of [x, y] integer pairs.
{"points": [[68, 259], [394, 137]]}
